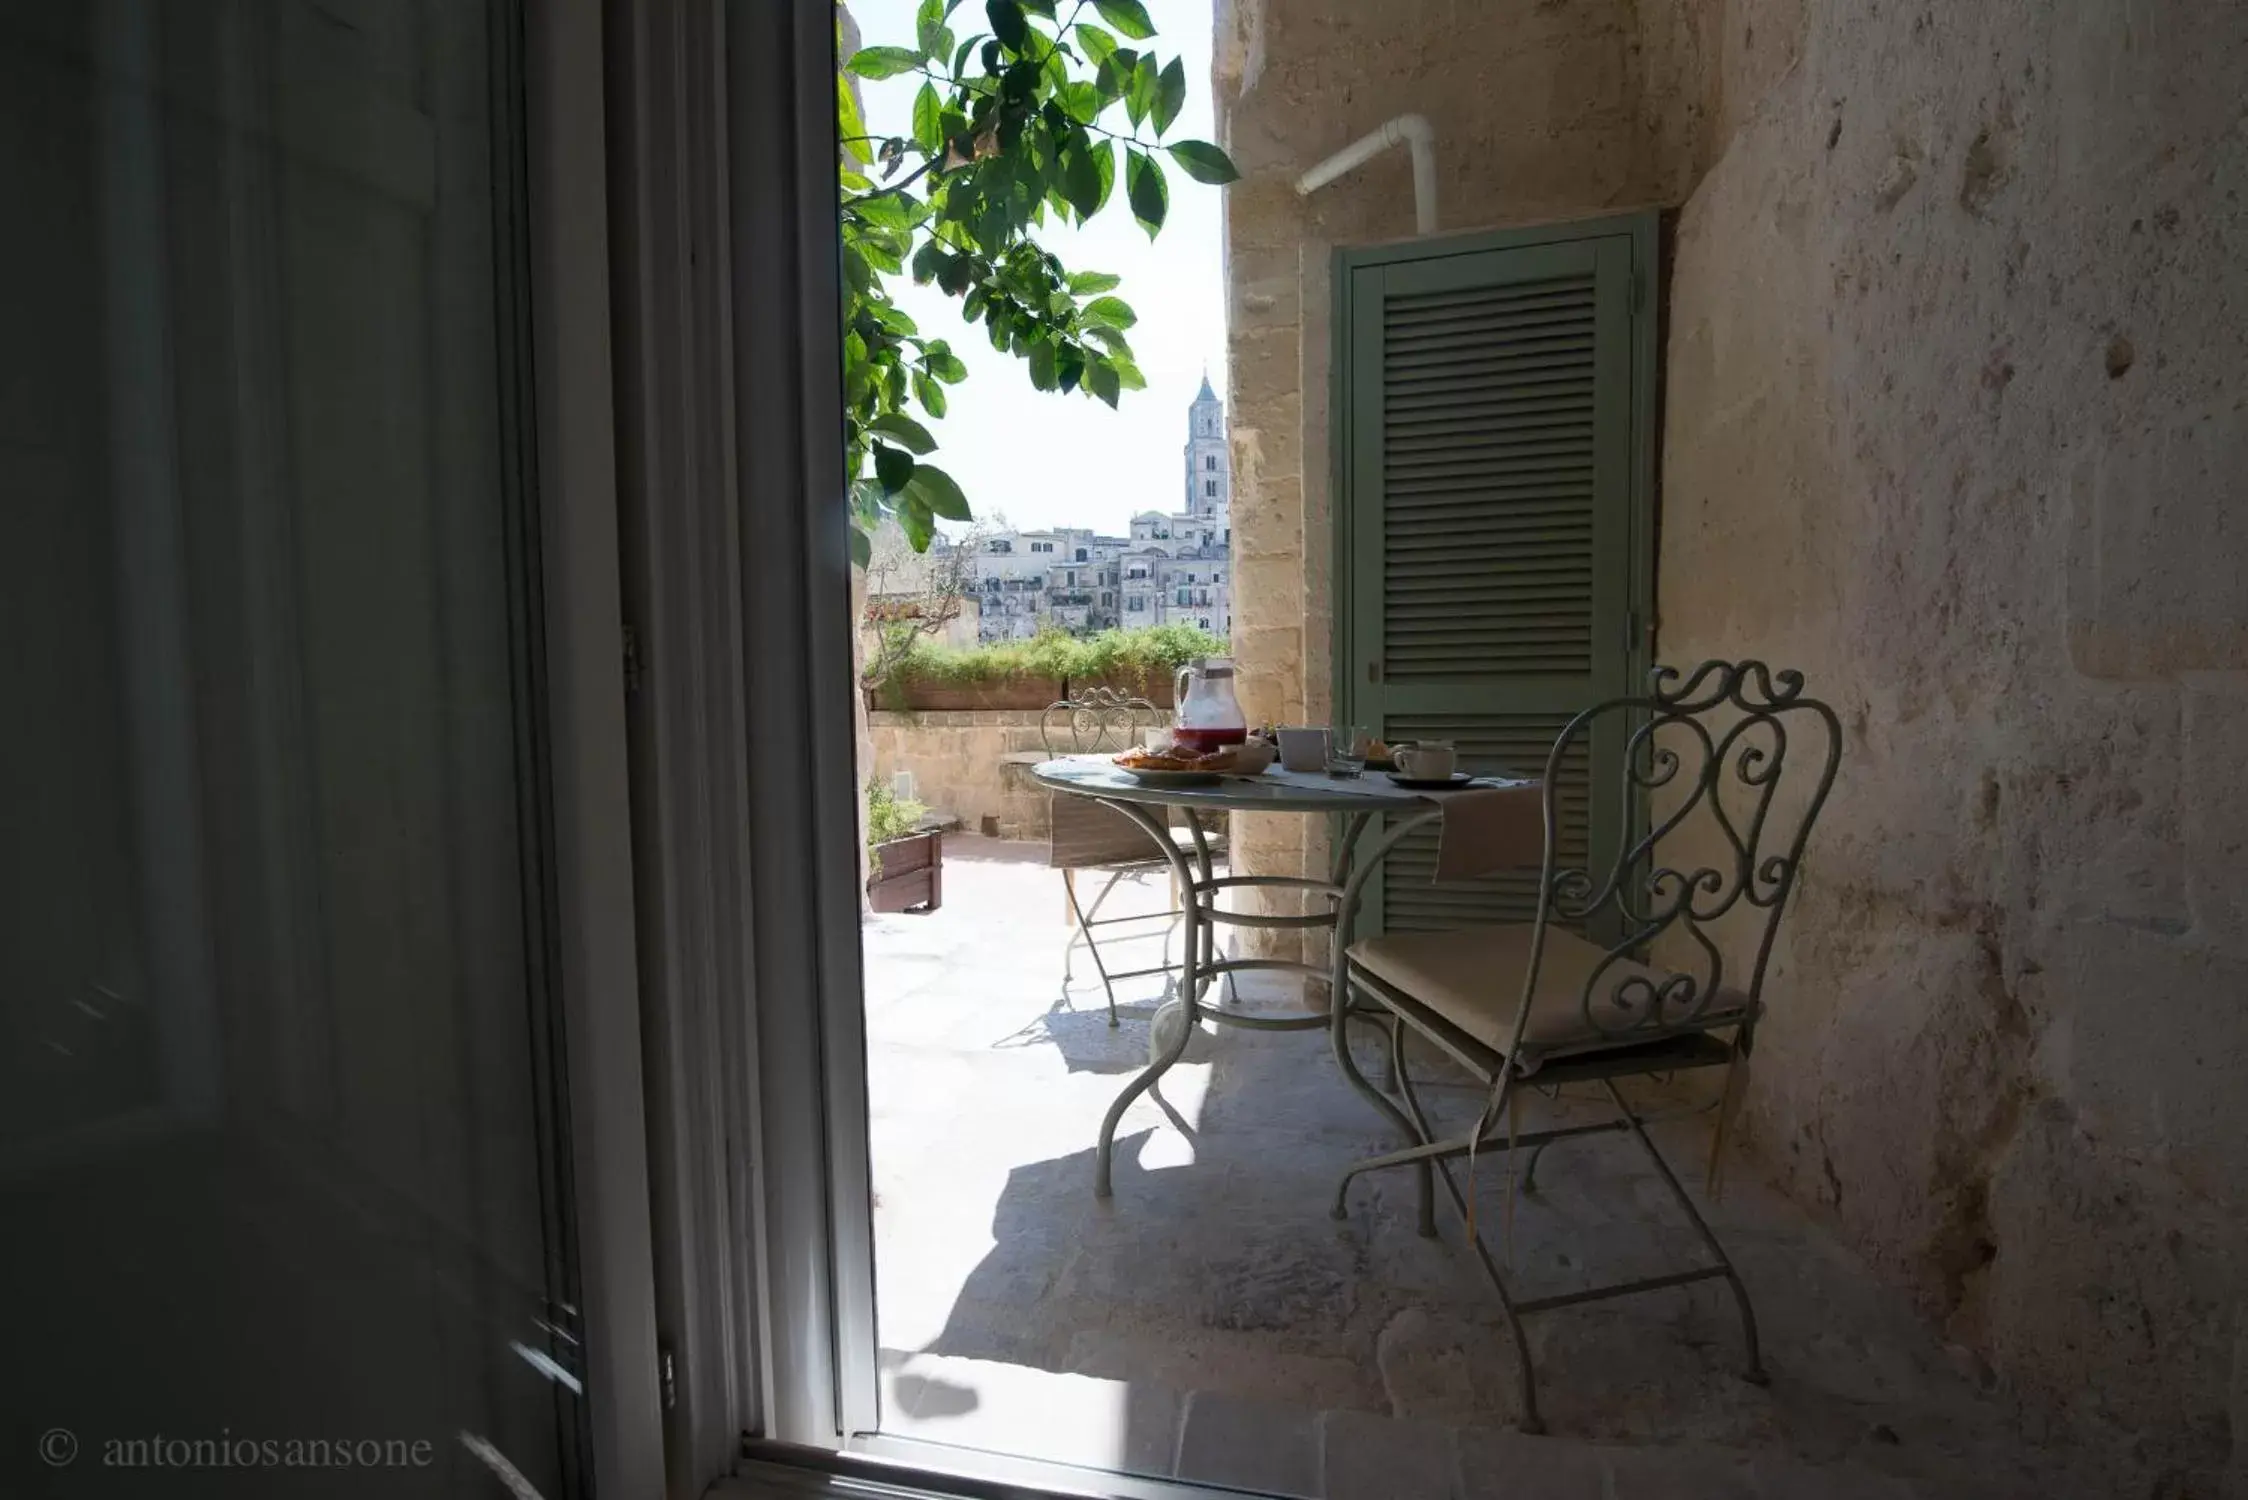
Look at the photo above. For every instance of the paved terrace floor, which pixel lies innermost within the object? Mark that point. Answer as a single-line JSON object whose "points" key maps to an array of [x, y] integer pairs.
{"points": [[1214, 1323]]}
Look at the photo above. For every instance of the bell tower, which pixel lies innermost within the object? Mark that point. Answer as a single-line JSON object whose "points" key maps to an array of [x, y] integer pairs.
{"points": [[1209, 462]]}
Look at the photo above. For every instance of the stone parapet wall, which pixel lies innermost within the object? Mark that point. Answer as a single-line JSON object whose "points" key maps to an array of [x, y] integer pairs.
{"points": [[959, 765]]}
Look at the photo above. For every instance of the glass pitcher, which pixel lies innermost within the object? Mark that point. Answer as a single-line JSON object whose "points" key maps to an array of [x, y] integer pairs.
{"points": [[1209, 716]]}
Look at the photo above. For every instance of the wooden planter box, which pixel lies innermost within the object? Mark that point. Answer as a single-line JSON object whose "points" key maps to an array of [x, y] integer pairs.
{"points": [[1159, 689], [909, 874], [1012, 693]]}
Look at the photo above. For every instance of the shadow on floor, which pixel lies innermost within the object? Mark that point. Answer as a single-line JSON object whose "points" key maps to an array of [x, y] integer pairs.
{"points": [[1216, 1269]]}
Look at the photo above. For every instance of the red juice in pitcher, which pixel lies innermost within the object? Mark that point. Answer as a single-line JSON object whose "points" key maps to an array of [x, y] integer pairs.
{"points": [[1203, 741], [1209, 717]]}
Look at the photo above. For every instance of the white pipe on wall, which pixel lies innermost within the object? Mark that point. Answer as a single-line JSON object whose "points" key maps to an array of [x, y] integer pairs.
{"points": [[1411, 131]]}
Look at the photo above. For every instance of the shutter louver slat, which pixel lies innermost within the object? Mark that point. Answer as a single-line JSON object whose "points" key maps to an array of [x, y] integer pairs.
{"points": [[1490, 560], [1512, 745], [1471, 406]]}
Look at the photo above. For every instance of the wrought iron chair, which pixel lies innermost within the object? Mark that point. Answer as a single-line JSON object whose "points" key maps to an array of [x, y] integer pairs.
{"points": [[1089, 836], [1624, 970]]}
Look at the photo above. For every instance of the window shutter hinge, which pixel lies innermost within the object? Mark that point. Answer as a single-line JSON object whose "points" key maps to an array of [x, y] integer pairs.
{"points": [[667, 1376], [634, 673]]}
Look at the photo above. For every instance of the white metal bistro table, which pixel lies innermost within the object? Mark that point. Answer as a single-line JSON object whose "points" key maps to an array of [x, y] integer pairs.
{"points": [[1359, 800]]}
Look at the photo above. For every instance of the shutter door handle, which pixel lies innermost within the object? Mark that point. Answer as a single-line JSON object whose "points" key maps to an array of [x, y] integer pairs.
{"points": [[1373, 671]]}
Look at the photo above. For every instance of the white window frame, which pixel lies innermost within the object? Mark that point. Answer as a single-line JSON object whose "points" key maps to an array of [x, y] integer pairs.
{"points": [[564, 153], [741, 1000]]}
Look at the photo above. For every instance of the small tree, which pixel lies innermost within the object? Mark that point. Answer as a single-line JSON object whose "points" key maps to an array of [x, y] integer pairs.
{"points": [[911, 594], [1008, 127]]}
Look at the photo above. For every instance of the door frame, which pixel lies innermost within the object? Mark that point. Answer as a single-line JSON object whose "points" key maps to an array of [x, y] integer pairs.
{"points": [[574, 454], [1642, 229]]}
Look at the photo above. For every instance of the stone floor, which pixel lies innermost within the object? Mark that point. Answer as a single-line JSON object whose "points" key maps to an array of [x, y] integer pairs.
{"points": [[1214, 1323]]}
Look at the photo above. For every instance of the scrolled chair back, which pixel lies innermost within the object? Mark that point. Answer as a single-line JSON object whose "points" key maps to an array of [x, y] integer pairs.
{"points": [[1098, 721], [1705, 754]]}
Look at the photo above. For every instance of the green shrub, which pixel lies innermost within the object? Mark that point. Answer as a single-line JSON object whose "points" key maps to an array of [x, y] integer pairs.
{"points": [[888, 816], [1137, 659]]}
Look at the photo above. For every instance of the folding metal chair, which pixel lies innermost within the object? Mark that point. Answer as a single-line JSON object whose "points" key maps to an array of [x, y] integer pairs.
{"points": [[1647, 960], [1087, 836]]}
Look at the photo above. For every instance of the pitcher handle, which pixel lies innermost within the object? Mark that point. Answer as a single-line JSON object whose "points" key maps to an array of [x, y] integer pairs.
{"points": [[1178, 685]]}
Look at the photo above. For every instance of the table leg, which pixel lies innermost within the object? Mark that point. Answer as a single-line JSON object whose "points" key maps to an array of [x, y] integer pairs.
{"points": [[1190, 964], [1361, 866], [1205, 872]]}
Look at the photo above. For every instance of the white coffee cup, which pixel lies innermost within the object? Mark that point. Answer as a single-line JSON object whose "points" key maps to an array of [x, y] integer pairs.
{"points": [[1426, 760], [1303, 748]]}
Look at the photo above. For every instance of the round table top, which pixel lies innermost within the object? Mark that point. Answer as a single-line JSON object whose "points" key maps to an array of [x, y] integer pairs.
{"points": [[1274, 791]]}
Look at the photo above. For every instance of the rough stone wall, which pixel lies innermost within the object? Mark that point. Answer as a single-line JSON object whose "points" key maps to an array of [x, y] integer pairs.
{"points": [[1536, 107], [959, 765], [1957, 423]]}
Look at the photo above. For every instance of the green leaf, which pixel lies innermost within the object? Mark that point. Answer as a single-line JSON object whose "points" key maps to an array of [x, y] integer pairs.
{"points": [[1008, 23], [885, 211], [929, 393], [849, 125], [893, 466], [883, 62], [1128, 373], [1043, 374], [1114, 75], [1127, 16], [1113, 311], [1090, 283], [945, 365], [935, 488], [928, 131], [1204, 162], [867, 501], [1139, 91], [1102, 333], [1081, 174], [960, 57], [902, 429], [1097, 43], [862, 550], [1150, 196], [1170, 94], [928, 28], [1080, 100], [914, 519], [1106, 159], [1100, 379], [893, 318]]}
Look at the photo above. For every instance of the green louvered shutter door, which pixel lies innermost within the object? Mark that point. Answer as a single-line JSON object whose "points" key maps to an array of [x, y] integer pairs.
{"points": [[1495, 443]]}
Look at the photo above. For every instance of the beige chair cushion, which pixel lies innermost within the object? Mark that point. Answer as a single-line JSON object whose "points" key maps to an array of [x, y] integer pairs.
{"points": [[1473, 980]]}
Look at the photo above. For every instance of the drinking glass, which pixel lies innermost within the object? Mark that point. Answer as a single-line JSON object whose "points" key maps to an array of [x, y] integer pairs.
{"points": [[1346, 749]]}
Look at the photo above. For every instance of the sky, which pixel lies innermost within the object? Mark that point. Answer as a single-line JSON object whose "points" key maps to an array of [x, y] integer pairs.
{"points": [[1046, 459]]}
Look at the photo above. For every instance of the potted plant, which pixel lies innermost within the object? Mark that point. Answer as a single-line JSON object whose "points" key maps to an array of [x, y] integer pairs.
{"points": [[907, 861]]}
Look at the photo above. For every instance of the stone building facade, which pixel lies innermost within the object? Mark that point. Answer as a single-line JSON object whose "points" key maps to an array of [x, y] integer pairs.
{"points": [[1952, 420], [1175, 568]]}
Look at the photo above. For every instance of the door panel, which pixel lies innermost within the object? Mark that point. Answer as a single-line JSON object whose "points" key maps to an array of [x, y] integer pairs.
{"points": [[279, 1160], [1494, 516]]}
